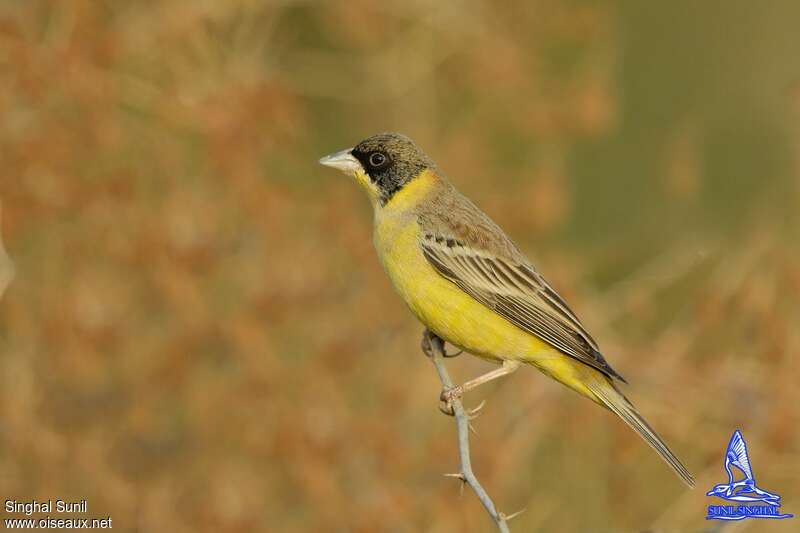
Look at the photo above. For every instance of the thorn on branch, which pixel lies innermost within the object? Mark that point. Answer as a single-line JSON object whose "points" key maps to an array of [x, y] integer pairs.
{"points": [[459, 476], [474, 413], [512, 516]]}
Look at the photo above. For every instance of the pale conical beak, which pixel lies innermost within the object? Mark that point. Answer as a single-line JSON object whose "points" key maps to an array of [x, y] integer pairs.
{"points": [[343, 161]]}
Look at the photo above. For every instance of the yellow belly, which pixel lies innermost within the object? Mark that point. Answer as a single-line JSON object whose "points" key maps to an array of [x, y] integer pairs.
{"points": [[464, 322]]}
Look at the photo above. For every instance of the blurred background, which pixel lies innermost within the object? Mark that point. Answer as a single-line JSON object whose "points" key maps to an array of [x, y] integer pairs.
{"points": [[199, 337]]}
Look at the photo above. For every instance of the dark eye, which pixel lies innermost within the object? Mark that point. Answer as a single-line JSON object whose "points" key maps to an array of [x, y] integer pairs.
{"points": [[377, 159]]}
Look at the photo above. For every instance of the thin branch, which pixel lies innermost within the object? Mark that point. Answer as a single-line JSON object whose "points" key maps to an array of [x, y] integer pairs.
{"points": [[466, 475]]}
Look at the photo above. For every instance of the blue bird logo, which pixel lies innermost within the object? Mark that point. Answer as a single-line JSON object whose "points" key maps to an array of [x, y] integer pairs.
{"points": [[742, 490]]}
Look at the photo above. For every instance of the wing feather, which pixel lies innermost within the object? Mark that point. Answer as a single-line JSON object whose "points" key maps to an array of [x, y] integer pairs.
{"points": [[737, 453], [514, 290]]}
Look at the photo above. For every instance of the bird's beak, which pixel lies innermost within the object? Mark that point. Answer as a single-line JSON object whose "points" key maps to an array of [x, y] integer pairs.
{"points": [[343, 161]]}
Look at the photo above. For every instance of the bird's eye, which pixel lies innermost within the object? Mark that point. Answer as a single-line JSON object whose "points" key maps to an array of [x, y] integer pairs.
{"points": [[377, 159]]}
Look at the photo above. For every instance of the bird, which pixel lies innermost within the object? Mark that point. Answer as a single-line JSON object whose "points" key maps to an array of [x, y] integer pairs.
{"points": [[468, 283]]}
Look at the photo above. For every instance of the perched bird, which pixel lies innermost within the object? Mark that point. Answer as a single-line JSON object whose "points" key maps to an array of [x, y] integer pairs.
{"points": [[469, 284]]}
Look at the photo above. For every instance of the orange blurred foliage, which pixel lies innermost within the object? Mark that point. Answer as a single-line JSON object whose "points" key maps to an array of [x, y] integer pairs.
{"points": [[198, 336]]}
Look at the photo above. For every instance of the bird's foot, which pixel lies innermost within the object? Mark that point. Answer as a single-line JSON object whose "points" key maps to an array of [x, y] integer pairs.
{"points": [[427, 345], [447, 397]]}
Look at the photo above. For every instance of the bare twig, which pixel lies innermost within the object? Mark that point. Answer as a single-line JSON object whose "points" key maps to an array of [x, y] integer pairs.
{"points": [[434, 348]]}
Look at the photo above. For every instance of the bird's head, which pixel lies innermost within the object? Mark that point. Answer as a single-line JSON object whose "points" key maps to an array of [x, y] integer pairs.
{"points": [[718, 489], [382, 164]]}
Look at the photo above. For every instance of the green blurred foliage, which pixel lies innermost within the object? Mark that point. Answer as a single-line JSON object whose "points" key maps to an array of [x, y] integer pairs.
{"points": [[199, 336]]}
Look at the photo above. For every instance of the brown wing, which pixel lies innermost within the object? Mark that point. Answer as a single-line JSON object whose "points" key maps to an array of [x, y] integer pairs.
{"points": [[509, 286]]}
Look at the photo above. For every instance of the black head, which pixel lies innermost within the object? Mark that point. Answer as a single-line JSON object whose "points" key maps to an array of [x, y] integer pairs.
{"points": [[390, 160]]}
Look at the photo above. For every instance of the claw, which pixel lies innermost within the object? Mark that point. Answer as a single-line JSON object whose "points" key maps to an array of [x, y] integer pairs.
{"points": [[456, 354], [447, 408]]}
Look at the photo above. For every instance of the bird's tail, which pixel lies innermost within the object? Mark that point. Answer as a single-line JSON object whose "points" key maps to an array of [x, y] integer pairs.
{"points": [[614, 400]]}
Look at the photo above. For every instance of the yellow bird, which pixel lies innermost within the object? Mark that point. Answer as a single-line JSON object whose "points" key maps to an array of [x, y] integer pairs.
{"points": [[469, 284]]}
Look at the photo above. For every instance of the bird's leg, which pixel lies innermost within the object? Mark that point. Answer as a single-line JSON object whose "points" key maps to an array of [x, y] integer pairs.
{"points": [[448, 395]]}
